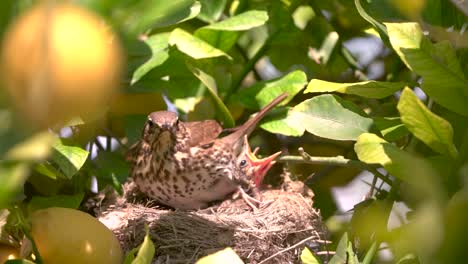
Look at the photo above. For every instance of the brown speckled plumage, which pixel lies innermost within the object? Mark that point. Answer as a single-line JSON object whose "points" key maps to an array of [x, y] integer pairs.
{"points": [[185, 165]]}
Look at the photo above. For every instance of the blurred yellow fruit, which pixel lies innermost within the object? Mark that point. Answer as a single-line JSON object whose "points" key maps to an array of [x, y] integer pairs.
{"points": [[59, 60], [8, 252], [64, 235]]}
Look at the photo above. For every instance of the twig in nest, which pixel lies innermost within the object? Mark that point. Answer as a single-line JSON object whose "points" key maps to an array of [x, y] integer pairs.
{"points": [[293, 247]]}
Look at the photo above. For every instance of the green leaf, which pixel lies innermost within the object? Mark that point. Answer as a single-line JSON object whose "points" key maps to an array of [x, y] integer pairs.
{"points": [[417, 171], [133, 125], [226, 255], [223, 40], [211, 10], [112, 168], [443, 79], [67, 201], [210, 83], [142, 15], [391, 128], [241, 22], [431, 129], [368, 89], [13, 176], [48, 170], [307, 257], [35, 148], [193, 46], [344, 252], [261, 93], [69, 158], [280, 122], [329, 116], [159, 45], [145, 253]]}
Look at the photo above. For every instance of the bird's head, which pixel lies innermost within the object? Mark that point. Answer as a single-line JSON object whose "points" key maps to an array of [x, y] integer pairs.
{"points": [[159, 125], [254, 168]]}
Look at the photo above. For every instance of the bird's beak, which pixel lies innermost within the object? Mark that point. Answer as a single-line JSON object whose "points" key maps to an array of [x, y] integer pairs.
{"points": [[259, 167]]}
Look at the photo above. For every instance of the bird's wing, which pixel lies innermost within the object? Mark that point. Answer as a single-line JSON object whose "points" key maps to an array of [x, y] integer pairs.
{"points": [[202, 132]]}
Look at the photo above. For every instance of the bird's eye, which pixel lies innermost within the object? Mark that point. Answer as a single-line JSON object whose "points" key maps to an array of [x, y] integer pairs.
{"points": [[150, 122], [243, 163]]}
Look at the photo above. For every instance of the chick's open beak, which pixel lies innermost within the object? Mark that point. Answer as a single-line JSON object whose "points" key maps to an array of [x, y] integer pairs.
{"points": [[259, 167]]}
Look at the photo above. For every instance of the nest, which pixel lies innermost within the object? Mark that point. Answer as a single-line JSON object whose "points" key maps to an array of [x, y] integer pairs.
{"points": [[275, 233]]}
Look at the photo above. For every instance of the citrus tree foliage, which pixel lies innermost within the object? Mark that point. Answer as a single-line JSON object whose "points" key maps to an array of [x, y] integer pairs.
{"points": [[401, 114]]}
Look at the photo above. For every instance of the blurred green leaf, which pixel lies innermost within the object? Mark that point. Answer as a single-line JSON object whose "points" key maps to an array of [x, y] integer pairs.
{"points": [[159, 44], [193, 46], [443, 79], [307, 257], [368, 89], [12, 177], [226, 255], [329, 116], [344, 252], [35, 148], [139, 16], [241, 22], [328, 46], [211, 10], [302, 15], [261, 93], [391, 128], [431, 129], [69, 158], [145, 252], [67, 201]]}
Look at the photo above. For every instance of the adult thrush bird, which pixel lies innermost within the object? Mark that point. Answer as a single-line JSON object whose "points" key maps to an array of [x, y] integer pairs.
{"points": [[186, 165]]}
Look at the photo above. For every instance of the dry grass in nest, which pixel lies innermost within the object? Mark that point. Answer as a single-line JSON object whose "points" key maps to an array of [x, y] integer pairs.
{"points": [[185, 236]]}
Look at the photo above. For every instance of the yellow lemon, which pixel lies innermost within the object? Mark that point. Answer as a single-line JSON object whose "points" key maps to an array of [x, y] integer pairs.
{"points": [[58, 61], [64, 235]]}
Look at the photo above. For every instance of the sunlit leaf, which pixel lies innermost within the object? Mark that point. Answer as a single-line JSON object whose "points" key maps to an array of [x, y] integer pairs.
{"points": [[307, 257], [243, 21], [193, 46], [368, 89], [442, 77], [145, 252], [69, 158], [329, 116], [344, 252], [431, 129], [415, 170], [226, 255], [261, 93], [281, 122]]}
